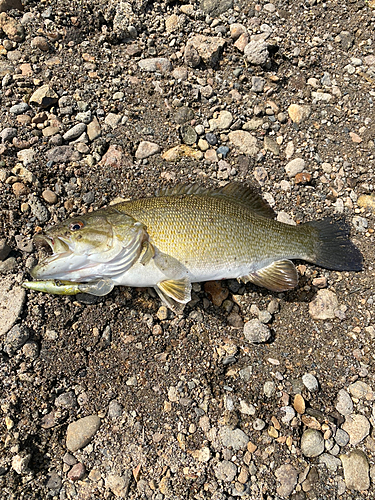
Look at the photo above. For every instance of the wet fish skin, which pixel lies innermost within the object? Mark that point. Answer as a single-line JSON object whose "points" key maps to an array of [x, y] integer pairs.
{"points": [[189, 234]]}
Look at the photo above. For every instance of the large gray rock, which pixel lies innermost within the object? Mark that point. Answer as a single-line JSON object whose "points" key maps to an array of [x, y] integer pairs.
{"points": [[287, 476], [256, 52], [203, 48], [244, 141], [11, 299], [356, 470], [233, 438], [155, 64], [357, 426], [312, 443], [324, 305]]}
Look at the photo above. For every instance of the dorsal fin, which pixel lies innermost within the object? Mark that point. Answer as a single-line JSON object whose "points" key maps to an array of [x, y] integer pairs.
{"points": [[234, 191]]}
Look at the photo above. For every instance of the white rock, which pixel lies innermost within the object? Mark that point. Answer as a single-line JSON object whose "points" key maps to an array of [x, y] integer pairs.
{"points": [[244, 141], [357, 426], [146, 149], [344, 403], [295, 166], [324, 305], [233, 438], [310, 382], [256, 332], [20, 463]]}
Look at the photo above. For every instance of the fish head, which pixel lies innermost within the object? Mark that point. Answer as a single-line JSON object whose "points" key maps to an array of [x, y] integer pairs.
{"points": [[89, 247]]}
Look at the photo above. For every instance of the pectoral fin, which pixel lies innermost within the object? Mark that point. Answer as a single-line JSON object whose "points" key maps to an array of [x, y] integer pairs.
{"points": [[148, 254], [279, 276]]}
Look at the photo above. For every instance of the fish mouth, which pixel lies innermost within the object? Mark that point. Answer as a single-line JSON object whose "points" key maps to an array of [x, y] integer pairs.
{"points": [[49, 246], [49, 249]]}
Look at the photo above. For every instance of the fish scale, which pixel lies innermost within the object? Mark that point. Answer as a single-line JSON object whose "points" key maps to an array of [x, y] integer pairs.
{"points": [[207, 232]]}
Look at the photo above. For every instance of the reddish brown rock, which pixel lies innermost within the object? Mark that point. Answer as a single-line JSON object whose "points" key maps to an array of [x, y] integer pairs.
{"points": [[77, 472], [302, 178], [217, 292]]}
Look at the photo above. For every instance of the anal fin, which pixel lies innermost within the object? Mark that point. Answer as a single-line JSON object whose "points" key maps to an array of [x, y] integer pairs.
{"points": [[279, 276]]}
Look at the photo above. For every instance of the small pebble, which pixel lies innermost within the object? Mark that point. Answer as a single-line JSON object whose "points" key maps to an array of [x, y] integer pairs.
{"points": [[299, 404], [77, 472], [341, 437], [289, 414], [332, 463], [225, 471], [299, 113], [4, 250], [294, 167], [19, 109], [259, 424], [49, 196], [287, 476], [81, 432], [74, 132], [256, 52], [344, 404], [69, 459], [310, 382], [324, 305], [244, 141], [146, 149], [269, 389], [312, 443], [15, 339], [19, 189], [256, 332], [41, 43], [361, 390], [8, 134], [112, 120], [20, 464], [264, 317], [67, 400], [233, 438]]}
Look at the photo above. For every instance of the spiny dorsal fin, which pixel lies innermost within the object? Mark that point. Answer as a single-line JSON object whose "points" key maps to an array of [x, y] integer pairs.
{"points": [[234, 191], [248, 196], [279, 276]]}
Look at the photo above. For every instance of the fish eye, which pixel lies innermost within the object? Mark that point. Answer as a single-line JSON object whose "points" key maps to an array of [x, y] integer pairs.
{"points": [[75, 226]]}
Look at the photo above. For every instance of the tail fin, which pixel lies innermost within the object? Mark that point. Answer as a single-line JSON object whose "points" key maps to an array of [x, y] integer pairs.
{"points": [[334, 250]]}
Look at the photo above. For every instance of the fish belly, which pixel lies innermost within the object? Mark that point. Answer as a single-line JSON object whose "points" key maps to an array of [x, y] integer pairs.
{"points": [[150, 275]]}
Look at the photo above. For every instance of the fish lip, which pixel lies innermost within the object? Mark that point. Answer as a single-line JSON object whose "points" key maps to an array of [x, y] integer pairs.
{"points": [[51, 248], [44, 242]]}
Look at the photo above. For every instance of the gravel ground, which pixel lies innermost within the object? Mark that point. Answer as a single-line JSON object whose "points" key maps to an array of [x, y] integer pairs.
{"points": [[248, 394]]}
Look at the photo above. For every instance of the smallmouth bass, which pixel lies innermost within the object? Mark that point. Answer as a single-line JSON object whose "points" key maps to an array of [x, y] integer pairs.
{"points": [[186, 234]]}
